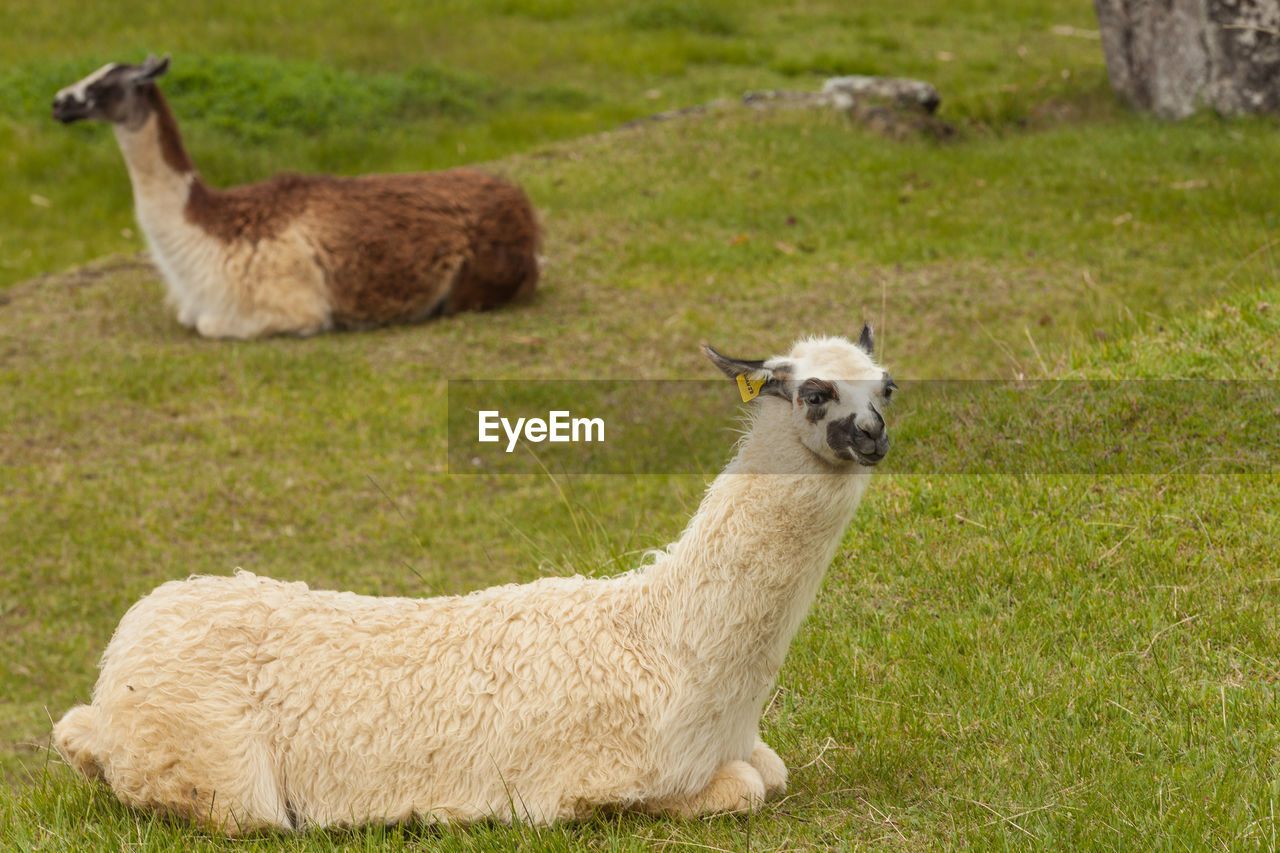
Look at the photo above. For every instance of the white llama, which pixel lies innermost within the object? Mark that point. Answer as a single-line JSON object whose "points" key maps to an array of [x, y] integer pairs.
{"points": [[306, 253], [243, 702]]}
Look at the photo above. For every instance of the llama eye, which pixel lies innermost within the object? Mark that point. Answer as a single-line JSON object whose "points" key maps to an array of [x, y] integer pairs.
{"points": [[888, 390], [815, 398]]}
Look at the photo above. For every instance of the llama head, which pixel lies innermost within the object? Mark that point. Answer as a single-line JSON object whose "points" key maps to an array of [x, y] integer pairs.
{"points": [[110, 93], [835, 394]]}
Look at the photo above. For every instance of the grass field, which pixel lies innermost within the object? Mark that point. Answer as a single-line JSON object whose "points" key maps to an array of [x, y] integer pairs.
{"points": [[1062, 662]]}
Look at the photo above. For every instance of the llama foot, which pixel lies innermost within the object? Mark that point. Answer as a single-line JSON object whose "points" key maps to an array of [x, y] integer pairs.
{"points": [[735, 787], [771, 769], [211, 326]]}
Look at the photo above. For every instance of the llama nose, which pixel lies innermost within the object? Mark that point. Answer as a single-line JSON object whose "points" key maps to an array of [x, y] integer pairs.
{"points": [[871, 446], [849, 440], [66, 108], [871, 440], [873, 427]]}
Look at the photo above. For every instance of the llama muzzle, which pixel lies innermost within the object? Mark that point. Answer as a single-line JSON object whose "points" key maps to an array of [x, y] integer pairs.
{"points": [[67, 108], [866, 444]]}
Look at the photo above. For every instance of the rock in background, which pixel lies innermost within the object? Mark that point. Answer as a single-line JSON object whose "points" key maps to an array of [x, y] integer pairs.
{"points": [[895, 107], [1173, 57]]}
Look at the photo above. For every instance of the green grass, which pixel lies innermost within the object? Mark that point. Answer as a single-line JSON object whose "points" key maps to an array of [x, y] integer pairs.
{"points": [[1056, 662]]}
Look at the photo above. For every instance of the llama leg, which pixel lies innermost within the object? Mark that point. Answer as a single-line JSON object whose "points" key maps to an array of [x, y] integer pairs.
{"points": [[233, 795], [771, 768], [238, 328], [73, 737], [735, 787], [213, 326], [186, 316], [230, 787]]}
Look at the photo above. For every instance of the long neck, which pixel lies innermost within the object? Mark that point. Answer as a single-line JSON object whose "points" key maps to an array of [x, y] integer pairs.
{"points": [[733, 590], [159, 167]]}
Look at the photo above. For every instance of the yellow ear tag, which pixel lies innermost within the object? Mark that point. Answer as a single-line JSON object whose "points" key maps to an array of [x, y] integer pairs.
{"points": [[749, 388]]}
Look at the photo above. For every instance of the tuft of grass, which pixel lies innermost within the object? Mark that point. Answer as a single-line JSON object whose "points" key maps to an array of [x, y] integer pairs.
{"points": [[537, 10], [697, 17], [829, 65]]}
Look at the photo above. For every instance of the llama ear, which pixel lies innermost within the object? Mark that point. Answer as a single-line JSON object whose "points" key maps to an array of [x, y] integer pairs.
{"points": [[773, 378], [150, 70], [734, 367], [866, 341]]}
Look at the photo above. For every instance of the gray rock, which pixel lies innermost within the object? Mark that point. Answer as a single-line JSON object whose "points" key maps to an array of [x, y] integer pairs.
{"points": [[847, 93], [1172, 57]]}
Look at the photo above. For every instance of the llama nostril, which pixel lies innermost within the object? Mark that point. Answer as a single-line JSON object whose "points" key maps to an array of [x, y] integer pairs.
{"points": [[868, 435], [864, 442], [875, 428]]}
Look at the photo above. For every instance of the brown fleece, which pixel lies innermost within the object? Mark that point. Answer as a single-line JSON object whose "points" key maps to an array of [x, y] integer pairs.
{"points": [[504, 237], [250, 213], [395, 248], [424, 244]]}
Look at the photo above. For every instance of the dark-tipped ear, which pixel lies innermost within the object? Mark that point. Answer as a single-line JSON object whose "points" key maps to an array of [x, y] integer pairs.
{"points": [[774, 378], [733, 367], [151, 69], [866, 341]]}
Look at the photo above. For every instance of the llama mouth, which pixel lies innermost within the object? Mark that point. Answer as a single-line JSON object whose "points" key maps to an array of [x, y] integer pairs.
{"points": [[68, 112], [848, 454]]}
